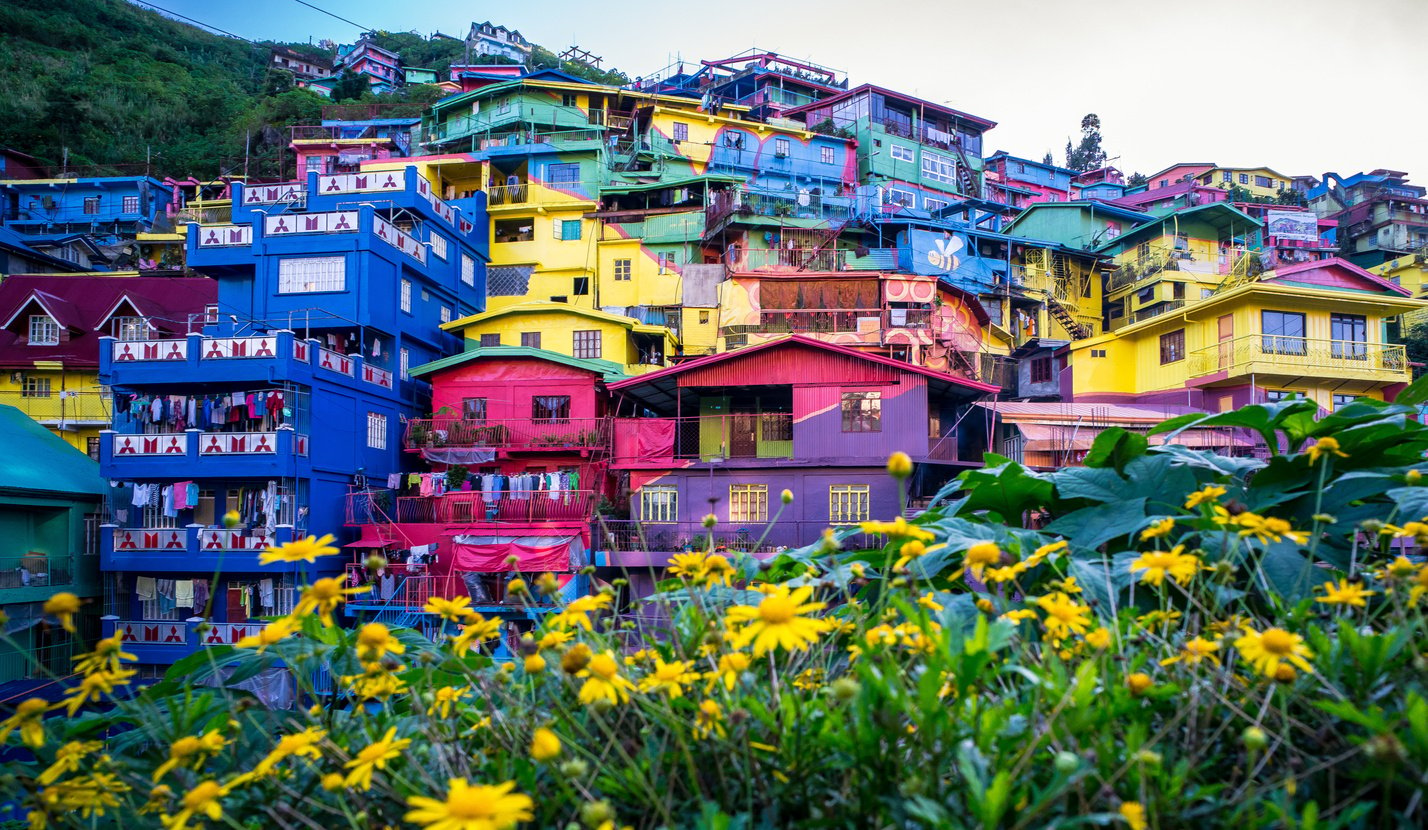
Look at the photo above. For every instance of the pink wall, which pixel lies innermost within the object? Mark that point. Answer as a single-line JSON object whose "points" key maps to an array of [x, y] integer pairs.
{"points": [[509, 384]]}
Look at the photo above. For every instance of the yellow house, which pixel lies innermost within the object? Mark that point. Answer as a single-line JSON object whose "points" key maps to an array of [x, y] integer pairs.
{"points": [[1410, 272], [1316, 329], [571, 330], [1261, 182]]}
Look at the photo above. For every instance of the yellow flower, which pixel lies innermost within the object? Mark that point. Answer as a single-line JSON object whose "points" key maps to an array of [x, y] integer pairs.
{"points": [[1209, 494], [1134, 814], [191, 751], [1006, 573], [108, 655], [455, 609], [810, 680], [981, 555], [1019, 615], [323, 597], [786, 496], [1194, 652], [1139, 683], [929, 601], [1100, 638], [577, 611], [1156, 564], [731, 667], [603, 680], [29, 719], [533, 664], [466, 807], [1265, 651], [1325, 446], [1063, 615], [68, 758], [1158, 529], [270, 634], [374, 642], [299, 550], [1159, 618], [477, 629], [376, 683], [778, 621], [554, 639], [702, 568], [1044, 551], [898, 528], [709, 720], [516, 587], [1268, 528], [63, 606], [899, 465], [575, 659], [1344, 593], [444, 699], [333, 781], [374, 757], [297, 745], [1065, 586], [545, 745], [668, 678], [91, 686], [203, 798]]}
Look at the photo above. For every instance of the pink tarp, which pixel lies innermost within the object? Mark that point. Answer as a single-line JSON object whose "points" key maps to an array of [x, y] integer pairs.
{"points": [[492, 556], [644, 438]]}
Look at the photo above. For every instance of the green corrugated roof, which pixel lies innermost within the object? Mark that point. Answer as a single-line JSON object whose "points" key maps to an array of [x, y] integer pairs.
{"points": [[37, 459], [611, 371]]}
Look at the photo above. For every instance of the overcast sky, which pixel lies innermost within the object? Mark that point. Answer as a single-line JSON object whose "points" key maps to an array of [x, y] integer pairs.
{"points": [[1302, 86]]}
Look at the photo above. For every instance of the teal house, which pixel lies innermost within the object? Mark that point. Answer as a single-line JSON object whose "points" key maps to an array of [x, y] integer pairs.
{"points": [[49, 524]]}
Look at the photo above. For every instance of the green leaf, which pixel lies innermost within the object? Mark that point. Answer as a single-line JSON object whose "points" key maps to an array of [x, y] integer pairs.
{"points": [[1006, 491], [1091, 527], [1116, 447]]}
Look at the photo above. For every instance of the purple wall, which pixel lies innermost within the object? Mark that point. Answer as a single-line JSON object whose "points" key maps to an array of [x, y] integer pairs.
{"points": [[818, 435]]}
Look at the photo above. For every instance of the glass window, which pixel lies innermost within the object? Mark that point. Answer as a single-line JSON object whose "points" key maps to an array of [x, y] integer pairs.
{"points": [[513, 230], [1226, 176], [667, 261], [91, 205], [780, 147], [659, 502], [748, 502], [862, 411], [1283, 332], [934, 205], [131, 328], [566, 230], [1277, 395], [681, 131], [312, 274], [404, 363], [438, 245], [549, 408], [1349, 333], [901, 153], [44, 331], [825, 155], [407, 296], [530, 339], [848, 504], [468, 270], [1244, 178], [473, 409], [568, 99], [1261, 181], [376, 430], [1172, 346], [1041, 370], [581, 287], [938, 167], [906, 198], [35, 388], [624, 269], [1343, 400], [587, 344], [131, 204], [490, 340]]}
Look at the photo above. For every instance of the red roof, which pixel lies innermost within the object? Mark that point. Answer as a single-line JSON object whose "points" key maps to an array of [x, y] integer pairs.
{"points": [[81, 303]]}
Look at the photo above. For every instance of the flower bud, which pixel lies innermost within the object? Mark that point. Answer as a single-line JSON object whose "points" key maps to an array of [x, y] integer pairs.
{"points": [[1067, 762], [899, 465], [1139, 683], [845, 688], [786, 497], [534, 664], [1254, 738], [596, 813], [710, 521], [1413, 477], [575, 768]]}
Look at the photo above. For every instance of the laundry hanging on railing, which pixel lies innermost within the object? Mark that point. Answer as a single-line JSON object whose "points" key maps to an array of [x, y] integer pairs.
{"points": [[242, 411]]}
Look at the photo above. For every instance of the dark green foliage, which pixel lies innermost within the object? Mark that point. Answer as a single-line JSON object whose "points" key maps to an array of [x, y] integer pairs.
{"points": [[1088, 153]]}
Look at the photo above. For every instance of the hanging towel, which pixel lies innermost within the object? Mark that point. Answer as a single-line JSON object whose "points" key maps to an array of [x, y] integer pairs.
{"points": [[265, 593], [144, 587], [200, 595], [183, 593]]}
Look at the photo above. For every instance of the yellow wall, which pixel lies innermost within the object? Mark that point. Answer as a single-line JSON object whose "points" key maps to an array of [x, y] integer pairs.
{"points": [[84, 415], [1276, 181], [557, 329]]}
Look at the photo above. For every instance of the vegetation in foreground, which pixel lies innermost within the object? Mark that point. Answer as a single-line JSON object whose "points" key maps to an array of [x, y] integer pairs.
{"points": [[1164, 638]]}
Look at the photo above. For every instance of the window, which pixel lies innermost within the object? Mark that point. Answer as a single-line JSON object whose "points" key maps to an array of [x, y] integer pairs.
{"points": [[92, 445], [438, 245], [587, 344], [546, 409], [91, 205], [748, 502], [1041, 370], [703, 318], [906, 198], [530, 339], [848, 504], [473, 409], [490, 340], [901, 153], [564, 173], [681, 131], [407, 296], [308, 275], [1343, 400], [131, 204], [781, 147], [1261, 181], [1098, 353], [581, 286], [825, 155], [468, 270], [659, 502], [938, 167], [1226, 176], [568, 99], [624, 269], [44, 331], [1283, 332], [1172, 347], [1164, 182], [1349, 333], [566, 230], [425, 295], [1278, 395], [404, 362], [733, 138], [35, 388], [667, 261], [862, 411], [1177, 290], [1244, 178], [131, 328], [934, 205], [376, 430], [513, 230]]}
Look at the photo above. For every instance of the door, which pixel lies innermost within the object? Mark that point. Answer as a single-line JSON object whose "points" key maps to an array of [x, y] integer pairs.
{"points": [[1227, 337], [743, 435]]}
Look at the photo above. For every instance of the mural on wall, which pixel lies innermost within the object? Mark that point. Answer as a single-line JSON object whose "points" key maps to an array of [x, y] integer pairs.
{"points": [[1292, 224]]}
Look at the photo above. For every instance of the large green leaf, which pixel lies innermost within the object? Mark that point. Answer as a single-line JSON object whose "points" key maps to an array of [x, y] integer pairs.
{"points": [[1006, 491], [1116, 447], [1091, 527]]}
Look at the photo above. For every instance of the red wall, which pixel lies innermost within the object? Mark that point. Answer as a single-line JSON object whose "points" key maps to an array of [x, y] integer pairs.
{"points": [[509, 384]]}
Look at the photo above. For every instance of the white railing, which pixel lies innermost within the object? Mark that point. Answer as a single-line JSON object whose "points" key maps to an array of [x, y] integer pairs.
{"points": [[150, 538], [399, 239], [129, 350], [232, 347], [244, 540], [173, 443], [341, 221], [272, 194], [237, 443], [219, 236], [176, 632], [334, 361], [384, 181], [381, 377]]}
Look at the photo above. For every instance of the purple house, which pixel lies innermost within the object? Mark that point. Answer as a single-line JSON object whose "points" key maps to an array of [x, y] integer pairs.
{"points": [[728, 433]]}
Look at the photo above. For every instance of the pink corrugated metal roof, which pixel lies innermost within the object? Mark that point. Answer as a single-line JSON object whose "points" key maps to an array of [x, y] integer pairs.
{"points": [[1058, 412]]}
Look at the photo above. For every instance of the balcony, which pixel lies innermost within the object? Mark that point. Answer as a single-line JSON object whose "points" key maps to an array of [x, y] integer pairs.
{"points": [[739, 259], [539, 193], [61, 407], [1270, 355], [35, 570], [635, 543], [233, 359], [164, 642], [193, 549], [528, 434], [728, 205], [471, 507], [705, 437], [203, 454]]}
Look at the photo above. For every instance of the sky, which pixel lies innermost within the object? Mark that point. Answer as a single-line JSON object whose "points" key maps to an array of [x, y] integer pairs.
{"points": [[1301, 86]]}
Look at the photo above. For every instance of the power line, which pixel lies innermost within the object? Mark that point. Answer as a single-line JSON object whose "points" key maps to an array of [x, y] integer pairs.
{"points": [[191, 20], [338, 17]]}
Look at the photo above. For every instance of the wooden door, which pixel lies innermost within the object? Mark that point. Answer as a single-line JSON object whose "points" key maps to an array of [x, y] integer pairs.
{"points": [[743, 436], [1227, 338]]}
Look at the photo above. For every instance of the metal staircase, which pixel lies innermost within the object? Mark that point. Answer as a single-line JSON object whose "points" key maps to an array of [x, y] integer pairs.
{"points": [[1052, 278], [1245, 271]]}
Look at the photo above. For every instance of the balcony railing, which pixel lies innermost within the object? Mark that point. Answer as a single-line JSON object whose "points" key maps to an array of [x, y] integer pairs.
{"points": [[1276, 354], [538, 193], [35, 570], [61, 406], [636, 536], [766, 435], [195, 444], [787, 259], [730, 203], [508, 434], [471, 507], [823, 321]]}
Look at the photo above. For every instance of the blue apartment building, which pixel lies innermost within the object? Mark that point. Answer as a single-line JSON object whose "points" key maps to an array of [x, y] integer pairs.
{"points": [[287, 395]]}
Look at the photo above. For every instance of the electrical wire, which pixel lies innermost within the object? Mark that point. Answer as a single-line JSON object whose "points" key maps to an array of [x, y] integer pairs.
{"points": [[152, 7], [338, 17]]}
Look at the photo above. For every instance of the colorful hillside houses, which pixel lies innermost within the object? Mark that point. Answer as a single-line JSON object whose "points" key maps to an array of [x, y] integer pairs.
{"points": [[301, 64], [1380, 216], [1258, 182], [292, 395], [93, 223], [53, 329], [1046, 182], [335, 147], [487, 38], [382, 67], [49, 511]]}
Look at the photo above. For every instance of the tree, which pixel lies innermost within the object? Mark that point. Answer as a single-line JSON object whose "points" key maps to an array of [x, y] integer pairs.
{"points": [[1136, 180], [1415, 342], [1088, 154], [278, 81], [351, 86], [1048, 159]]}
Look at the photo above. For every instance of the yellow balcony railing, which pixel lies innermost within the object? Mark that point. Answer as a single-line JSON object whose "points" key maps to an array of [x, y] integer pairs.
{"points": [[56, 406], [1272, 354]]}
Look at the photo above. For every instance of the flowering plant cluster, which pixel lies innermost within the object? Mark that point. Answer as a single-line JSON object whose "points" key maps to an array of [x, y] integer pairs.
{"points": [[1163, 637]]}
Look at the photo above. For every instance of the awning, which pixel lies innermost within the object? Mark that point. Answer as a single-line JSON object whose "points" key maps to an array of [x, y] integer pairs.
{"points": [[370, 539], [1064, 437]]}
